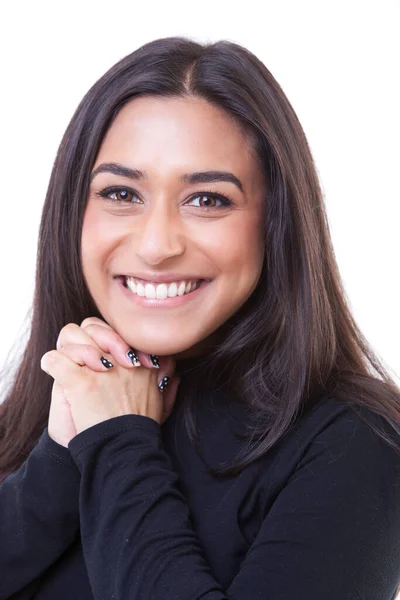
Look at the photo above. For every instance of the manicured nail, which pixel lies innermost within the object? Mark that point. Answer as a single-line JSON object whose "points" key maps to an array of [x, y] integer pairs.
{"points": [[133, 358], [106, 362], [154, 360], [163, 383]]}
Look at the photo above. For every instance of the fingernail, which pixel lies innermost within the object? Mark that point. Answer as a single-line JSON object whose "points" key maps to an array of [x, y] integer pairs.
{"points": [[154, 360], [133, 358], [106, 362], [163, 383]]}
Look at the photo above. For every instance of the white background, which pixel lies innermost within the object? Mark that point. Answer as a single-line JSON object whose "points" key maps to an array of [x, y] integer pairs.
{"points": [[338, 63]]}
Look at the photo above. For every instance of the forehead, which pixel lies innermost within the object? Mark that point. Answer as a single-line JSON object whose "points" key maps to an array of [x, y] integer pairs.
{"points": [[172, 132]]}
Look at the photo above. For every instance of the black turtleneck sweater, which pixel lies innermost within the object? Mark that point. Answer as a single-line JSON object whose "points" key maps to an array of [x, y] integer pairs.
{"points": [[129, 511]]}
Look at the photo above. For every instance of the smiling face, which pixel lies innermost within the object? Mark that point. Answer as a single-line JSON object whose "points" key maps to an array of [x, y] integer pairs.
{"points": [[155, 223]]}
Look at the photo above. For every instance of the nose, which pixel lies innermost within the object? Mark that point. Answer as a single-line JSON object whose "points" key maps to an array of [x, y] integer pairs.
{"points": [[160, 234]]}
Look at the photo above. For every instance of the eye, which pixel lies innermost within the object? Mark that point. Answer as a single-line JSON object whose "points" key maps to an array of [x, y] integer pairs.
{"points": [[210, 198], [124, 195], [117, 194]]}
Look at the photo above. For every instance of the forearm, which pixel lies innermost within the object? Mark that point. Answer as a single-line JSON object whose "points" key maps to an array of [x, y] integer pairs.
{"points": [[137, 537], [39, 514]]}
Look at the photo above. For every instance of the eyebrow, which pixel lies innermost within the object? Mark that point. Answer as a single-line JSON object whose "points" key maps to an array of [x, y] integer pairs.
{"points": [[197, 177]]}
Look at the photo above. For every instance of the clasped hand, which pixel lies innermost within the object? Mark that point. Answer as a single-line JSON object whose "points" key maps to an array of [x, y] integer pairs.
{"points": [[85, 392]]}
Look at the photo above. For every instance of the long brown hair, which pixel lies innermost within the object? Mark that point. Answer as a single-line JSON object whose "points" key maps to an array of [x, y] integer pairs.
{"points": [[294, 339]]}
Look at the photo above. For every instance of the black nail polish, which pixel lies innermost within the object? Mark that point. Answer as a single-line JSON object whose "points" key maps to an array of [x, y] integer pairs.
{"points": [[106, 362], [163, 383], [133, 358], [154, 360]]}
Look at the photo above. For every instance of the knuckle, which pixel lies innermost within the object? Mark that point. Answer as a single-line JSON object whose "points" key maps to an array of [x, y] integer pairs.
{"points": [[70, 348], [105, 335], [89, 328], [92, 321], [91, 352], [66, 334], [70, 327], [88, 321], [97, 333], [48, 357]]}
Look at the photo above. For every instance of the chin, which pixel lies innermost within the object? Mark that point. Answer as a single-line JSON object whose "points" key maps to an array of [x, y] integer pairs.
{"points": [[162, 349], [175, 349]]}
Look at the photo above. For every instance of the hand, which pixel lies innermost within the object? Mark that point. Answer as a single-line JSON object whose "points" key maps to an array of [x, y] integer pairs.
{"points": [[79, 349], [110, 341], [61, 427]]}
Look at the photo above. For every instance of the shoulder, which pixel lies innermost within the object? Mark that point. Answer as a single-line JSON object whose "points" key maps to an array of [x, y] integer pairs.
{"points": [[333, 419], [332, 502], [334, 435]]}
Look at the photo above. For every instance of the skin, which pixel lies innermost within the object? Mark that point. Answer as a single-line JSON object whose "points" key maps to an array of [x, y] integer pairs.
{"points": [[166, 228], [75, 405]]}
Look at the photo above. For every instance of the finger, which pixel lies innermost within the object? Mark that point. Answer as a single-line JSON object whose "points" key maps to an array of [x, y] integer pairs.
{"points": [[169, 397], [166, 364], [73, 334], [166, 374], [110, 341], [94, 321], [85, 354], [60, 367], [116, 345]]}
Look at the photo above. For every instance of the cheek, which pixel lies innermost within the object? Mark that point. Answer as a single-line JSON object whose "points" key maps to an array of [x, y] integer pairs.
{"points": [[238, 247], [98, 238], [89, 241]]}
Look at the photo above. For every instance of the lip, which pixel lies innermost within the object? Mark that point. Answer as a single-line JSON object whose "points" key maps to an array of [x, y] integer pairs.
{"points": [[157, 303], [170, 278]]}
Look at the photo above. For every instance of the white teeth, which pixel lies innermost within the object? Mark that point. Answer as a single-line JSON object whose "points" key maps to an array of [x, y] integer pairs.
{"points": [[139, 288], [150, 291], [160, 291], [172, 290]]}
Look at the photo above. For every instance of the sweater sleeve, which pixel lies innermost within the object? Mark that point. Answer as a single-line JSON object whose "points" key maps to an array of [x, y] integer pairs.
{"points": [[332, 532], [39, 514]]}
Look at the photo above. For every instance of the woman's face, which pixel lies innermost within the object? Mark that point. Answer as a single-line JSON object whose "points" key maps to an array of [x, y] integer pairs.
{"points": [[162, 223]]}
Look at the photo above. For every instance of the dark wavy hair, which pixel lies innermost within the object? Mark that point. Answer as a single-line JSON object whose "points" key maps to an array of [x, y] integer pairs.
{"points": [[292, 342]]}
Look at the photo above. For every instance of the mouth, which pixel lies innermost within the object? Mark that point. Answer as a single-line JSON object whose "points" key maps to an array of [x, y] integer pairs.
{"points": [[160, 295]]}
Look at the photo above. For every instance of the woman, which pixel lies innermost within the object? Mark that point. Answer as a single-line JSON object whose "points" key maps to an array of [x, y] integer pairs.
{"points": [[194, 416]]}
